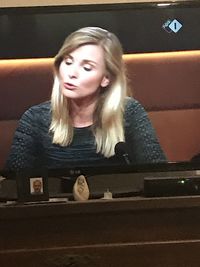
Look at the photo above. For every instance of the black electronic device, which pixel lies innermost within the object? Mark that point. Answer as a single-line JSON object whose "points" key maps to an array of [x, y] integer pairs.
{"points": [[38, 32], [122, 151], [171, 186]]}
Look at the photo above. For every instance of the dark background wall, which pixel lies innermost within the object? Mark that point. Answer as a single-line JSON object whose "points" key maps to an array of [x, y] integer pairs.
{"points": [[40, 31]]}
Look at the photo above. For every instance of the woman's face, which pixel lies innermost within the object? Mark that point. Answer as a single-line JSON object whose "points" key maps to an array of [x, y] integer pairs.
{"points": [[82, 73]]}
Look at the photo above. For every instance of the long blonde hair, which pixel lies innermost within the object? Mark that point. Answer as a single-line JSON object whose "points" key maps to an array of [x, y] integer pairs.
{"points": [[108, 116]]}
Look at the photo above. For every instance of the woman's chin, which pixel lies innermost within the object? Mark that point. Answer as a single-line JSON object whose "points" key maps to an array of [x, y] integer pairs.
{"points": [[70, 94]]}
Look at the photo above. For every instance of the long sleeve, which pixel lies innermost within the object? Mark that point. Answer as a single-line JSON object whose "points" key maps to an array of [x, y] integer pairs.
{"points": [[141, 136], [24, 149]]}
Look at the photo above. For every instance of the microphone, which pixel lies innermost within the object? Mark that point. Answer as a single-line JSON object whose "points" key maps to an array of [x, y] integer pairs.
{"points": [[121, 150]]}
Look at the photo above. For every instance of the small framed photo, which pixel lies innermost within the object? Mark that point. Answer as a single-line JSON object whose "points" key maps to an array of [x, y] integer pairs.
{"points": [[32, 186], [36, 186]]}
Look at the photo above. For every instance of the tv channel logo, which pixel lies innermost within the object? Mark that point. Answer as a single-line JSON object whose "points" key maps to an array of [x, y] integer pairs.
{"points": [[172, 26]]}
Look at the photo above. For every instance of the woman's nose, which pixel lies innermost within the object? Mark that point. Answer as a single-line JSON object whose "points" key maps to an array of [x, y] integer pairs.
{"points": [[73, 72]]}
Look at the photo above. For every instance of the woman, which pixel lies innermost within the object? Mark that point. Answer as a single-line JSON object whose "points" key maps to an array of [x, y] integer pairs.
{"points": [[89, 111]]}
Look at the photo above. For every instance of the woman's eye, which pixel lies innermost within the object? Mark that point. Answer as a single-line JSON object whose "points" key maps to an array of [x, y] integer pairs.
{"points": [[68, 61], [87, 67]]}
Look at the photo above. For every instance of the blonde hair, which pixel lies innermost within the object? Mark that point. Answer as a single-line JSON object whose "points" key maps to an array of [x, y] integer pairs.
{"points": [[108, 116]]}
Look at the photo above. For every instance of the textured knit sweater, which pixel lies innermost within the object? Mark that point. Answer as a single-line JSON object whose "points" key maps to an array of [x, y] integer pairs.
{"points": [[32, 145]]}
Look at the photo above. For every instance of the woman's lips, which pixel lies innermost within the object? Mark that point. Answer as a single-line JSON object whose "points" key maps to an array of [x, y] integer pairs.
{"points": [[69, 86]]}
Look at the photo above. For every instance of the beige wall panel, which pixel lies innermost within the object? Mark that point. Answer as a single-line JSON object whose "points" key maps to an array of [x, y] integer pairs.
{"points": [[14, 3]]}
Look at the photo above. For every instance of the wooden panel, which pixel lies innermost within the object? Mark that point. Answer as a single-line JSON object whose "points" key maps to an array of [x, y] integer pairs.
{"points": [[13, 3], [131, 232]]}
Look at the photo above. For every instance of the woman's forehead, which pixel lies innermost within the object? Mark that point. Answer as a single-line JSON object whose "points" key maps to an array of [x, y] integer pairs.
{"points": [[88, 52]]}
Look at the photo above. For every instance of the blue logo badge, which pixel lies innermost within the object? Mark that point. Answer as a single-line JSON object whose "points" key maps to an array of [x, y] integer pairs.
{"points": [[172, 26]]}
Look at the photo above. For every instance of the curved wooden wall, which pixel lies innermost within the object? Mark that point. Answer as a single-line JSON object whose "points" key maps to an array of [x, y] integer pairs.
{"points": [[13, 3]]}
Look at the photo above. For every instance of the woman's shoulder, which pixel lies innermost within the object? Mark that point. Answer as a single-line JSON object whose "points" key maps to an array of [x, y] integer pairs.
{"points": [[37, 112], [43, 107], [133, 106]]}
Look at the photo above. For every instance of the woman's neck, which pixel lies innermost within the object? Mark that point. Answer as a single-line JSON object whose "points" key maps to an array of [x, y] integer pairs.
{"points": [[82, 113]]}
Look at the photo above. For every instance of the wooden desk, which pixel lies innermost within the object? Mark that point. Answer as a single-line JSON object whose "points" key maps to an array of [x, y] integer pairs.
{"points": [[134, 232]]}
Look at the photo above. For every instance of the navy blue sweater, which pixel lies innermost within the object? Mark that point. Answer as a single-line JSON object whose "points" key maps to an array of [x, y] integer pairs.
{"points": [[32, 145]]}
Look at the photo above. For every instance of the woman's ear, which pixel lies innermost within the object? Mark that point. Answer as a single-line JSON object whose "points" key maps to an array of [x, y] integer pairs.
{"points": [[105, 81]]}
